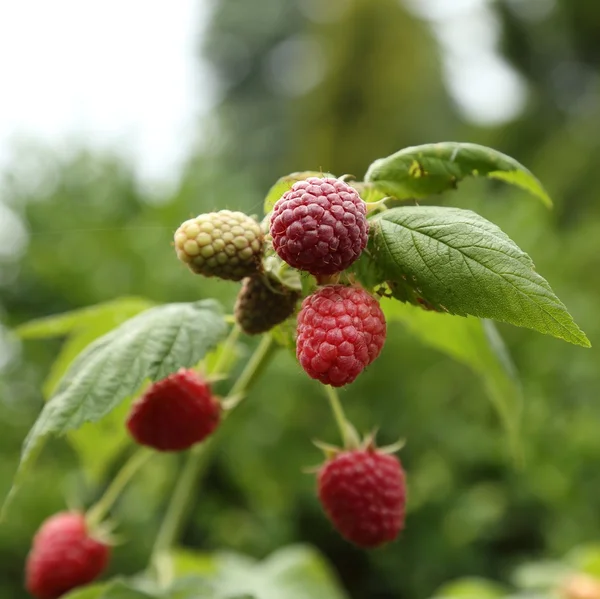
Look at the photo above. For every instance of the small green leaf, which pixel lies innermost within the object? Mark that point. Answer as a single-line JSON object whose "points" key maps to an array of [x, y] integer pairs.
{"points": [[88, 592], [97, 444], [284, 334], [458, 262], [585, 558], [117, 589], [295, 572], [61, 324], [477, 345], [471, 588], [151, 345], [299, 572], [542, 575], [285, 184], [421, 171], [369, 192]]}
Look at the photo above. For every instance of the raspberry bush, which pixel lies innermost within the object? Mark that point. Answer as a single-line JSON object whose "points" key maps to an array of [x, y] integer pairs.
{"points": [[332, 261]]}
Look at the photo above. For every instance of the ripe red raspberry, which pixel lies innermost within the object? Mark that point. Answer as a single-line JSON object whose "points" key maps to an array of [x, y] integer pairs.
{"points": [[175, 413], [363, 492], [63, 556], [341, 330], [320, 226]]}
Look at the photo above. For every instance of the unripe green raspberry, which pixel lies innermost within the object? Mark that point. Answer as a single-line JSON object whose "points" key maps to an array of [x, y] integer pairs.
{"points": [[222, 244], [262, 304]]}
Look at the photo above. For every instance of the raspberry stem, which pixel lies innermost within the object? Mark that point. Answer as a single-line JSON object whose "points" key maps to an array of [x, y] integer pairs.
{"points": [[96, 513], [198, 458], [227, 353], [349, 436]]}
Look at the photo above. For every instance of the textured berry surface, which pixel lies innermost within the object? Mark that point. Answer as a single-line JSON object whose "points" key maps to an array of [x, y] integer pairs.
{"points": [[320, 226], [175, 413], [363, 492], [220, 244], [261, 304], [341, 330], [63, 556]]}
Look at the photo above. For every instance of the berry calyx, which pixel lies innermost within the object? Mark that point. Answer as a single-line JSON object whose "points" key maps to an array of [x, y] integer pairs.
{"points": [[363, 492], [222, 244], [175, 413], [63, 556], [341, 330], [319, 226], [262, 304]]}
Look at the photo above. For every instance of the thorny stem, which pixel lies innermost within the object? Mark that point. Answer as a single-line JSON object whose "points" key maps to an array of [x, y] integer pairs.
{"points": [[96, 514], [183, 494], [339, 415]]}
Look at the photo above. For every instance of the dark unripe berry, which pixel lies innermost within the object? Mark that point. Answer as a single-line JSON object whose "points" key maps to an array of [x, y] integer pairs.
{"points": [[319, 226], [262, 304]]}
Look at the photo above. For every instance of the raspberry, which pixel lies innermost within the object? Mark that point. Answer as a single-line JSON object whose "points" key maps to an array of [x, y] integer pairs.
{"points": [[220, 244], [363, 492], [175, 413], [319, 225], [341, 330], [63, 556], [261, 304]]}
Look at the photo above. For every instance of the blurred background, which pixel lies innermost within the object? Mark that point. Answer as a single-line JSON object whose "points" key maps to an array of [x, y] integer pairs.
{"points": [[118, 120]]}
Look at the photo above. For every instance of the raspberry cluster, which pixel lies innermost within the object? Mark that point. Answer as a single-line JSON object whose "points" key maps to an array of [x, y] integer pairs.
{"points": [[319, 226]]}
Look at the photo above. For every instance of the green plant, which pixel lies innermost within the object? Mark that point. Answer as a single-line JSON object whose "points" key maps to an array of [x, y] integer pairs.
{"points": [[575, 575], [443, 261]]}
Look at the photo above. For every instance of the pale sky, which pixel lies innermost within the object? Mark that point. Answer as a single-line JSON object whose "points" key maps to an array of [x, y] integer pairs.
{"points": [[125, 74], [114, 73]]}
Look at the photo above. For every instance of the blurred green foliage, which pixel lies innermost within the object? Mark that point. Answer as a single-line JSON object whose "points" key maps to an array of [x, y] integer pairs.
{"points": [[94, 233]]}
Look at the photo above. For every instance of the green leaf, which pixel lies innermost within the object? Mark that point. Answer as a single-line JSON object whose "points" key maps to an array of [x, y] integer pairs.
{"points": [[295, 572], [117, 589], [299, 572], [96, 444], [421, 171], [458, 262], [285, 184], [471, 588], [88, 592], [58, 325], [477, 345], [369, 192], [586, 559], [151, 345], [542, 575]]}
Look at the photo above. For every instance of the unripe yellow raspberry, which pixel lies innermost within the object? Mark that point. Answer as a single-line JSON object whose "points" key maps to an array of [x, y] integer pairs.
{"points": [[222, 244]]}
